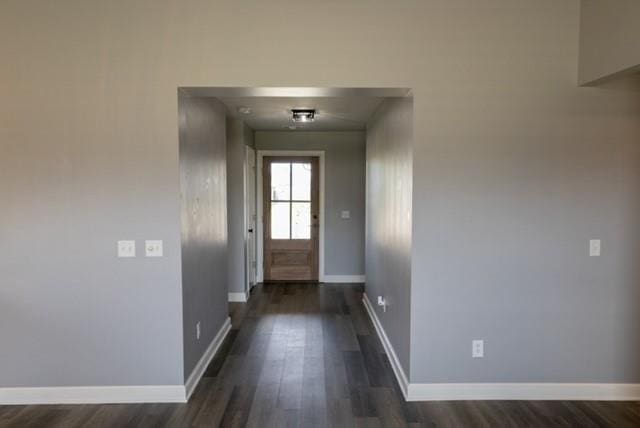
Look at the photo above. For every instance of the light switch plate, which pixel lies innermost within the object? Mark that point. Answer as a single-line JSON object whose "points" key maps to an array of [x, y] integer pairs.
{"points": [[477, 348], [345, 214], [126, 248], [153, 248], [595, 248]]}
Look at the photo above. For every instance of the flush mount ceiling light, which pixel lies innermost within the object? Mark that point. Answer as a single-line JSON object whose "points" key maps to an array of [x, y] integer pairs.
{"points": [[244, 110], [303, 115]]}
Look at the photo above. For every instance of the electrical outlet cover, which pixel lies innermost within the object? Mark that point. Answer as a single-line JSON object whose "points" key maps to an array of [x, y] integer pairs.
{"points": [[477, 348], [126, 248], [153, 248]]}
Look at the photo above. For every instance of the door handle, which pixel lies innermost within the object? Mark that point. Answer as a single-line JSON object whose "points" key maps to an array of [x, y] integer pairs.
{"points": [[250, 230]]}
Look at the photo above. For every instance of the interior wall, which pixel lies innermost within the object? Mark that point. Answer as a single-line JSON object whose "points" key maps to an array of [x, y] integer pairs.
{"points": [[344, 190], [239, 136], [389, 218], [609, 34], [203, 196], [511, 187], [508, 153]]}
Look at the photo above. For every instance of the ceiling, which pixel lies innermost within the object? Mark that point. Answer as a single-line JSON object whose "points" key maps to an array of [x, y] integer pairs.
{"points": [[345, 113]]}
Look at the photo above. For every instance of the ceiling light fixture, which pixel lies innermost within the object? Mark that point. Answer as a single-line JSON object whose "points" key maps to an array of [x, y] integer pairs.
{"points": [[303, 115], [244, 110]]}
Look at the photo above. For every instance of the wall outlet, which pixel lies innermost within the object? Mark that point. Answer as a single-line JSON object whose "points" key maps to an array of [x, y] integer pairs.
{"points": [[382, 302], [595, 248], [153, 248], [198, 331], [126, 248], [477, 348], [345, 214]]}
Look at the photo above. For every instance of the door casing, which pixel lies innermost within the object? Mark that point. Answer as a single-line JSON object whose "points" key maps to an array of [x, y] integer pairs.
{"points": [[251, 263]]}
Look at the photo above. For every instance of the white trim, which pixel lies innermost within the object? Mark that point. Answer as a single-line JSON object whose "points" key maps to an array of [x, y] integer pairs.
{"points": [[524, 391], [93, 395], [260, 206], [198, 370], [250, 271], [346, 279], [403, 383], [499, 391], [239, 297]]}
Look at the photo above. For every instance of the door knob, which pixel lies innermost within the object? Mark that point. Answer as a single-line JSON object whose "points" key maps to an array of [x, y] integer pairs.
{"points": [[250, 230]]}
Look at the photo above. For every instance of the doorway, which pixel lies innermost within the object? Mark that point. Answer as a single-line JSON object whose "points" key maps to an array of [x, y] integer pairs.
{"points": [[296, 249], [291, 218], [336, 132]]}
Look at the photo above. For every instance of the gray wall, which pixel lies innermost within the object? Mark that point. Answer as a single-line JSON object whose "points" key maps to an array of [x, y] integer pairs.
{"points": [[389, 218], [239, 136], [507, 196], [203, 196], [76, 176], [609, 34], [505, 145], [344, 190]]}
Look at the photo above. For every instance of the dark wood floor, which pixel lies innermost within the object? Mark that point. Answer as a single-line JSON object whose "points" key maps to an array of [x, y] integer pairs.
{"points": [[307, 355]]}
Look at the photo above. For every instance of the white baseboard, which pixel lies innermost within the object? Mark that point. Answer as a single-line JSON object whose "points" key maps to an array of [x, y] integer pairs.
{"points": [[203, 363], [238, 297], [388, 348], [94, 394], [524, 391], [346, 279], [499, 391]]}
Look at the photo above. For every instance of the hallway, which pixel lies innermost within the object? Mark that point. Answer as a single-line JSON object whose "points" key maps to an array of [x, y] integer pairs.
{"points": [[301, 355], [307, 355]]}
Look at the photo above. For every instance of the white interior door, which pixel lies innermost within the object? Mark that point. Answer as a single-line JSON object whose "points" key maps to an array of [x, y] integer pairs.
{"points": [[250, 220]]}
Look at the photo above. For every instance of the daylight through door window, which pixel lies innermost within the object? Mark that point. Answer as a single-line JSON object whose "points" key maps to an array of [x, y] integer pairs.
{"points": [[290, 200]]}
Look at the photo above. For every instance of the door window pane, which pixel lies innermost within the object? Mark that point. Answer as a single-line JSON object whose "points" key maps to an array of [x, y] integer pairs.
{"points": [[301, 220], [301, 177], [280, 224], [280, 181]]}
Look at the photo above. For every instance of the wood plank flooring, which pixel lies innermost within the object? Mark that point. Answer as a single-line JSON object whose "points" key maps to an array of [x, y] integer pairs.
{"points": [[307, 355]]}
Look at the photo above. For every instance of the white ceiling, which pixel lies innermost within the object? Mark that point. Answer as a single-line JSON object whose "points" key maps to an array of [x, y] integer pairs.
{"points": [[346, 113]]}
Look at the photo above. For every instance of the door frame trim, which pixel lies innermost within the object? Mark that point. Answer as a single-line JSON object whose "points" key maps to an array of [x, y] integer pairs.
{"points": [[260, 207], [247, 220]]}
